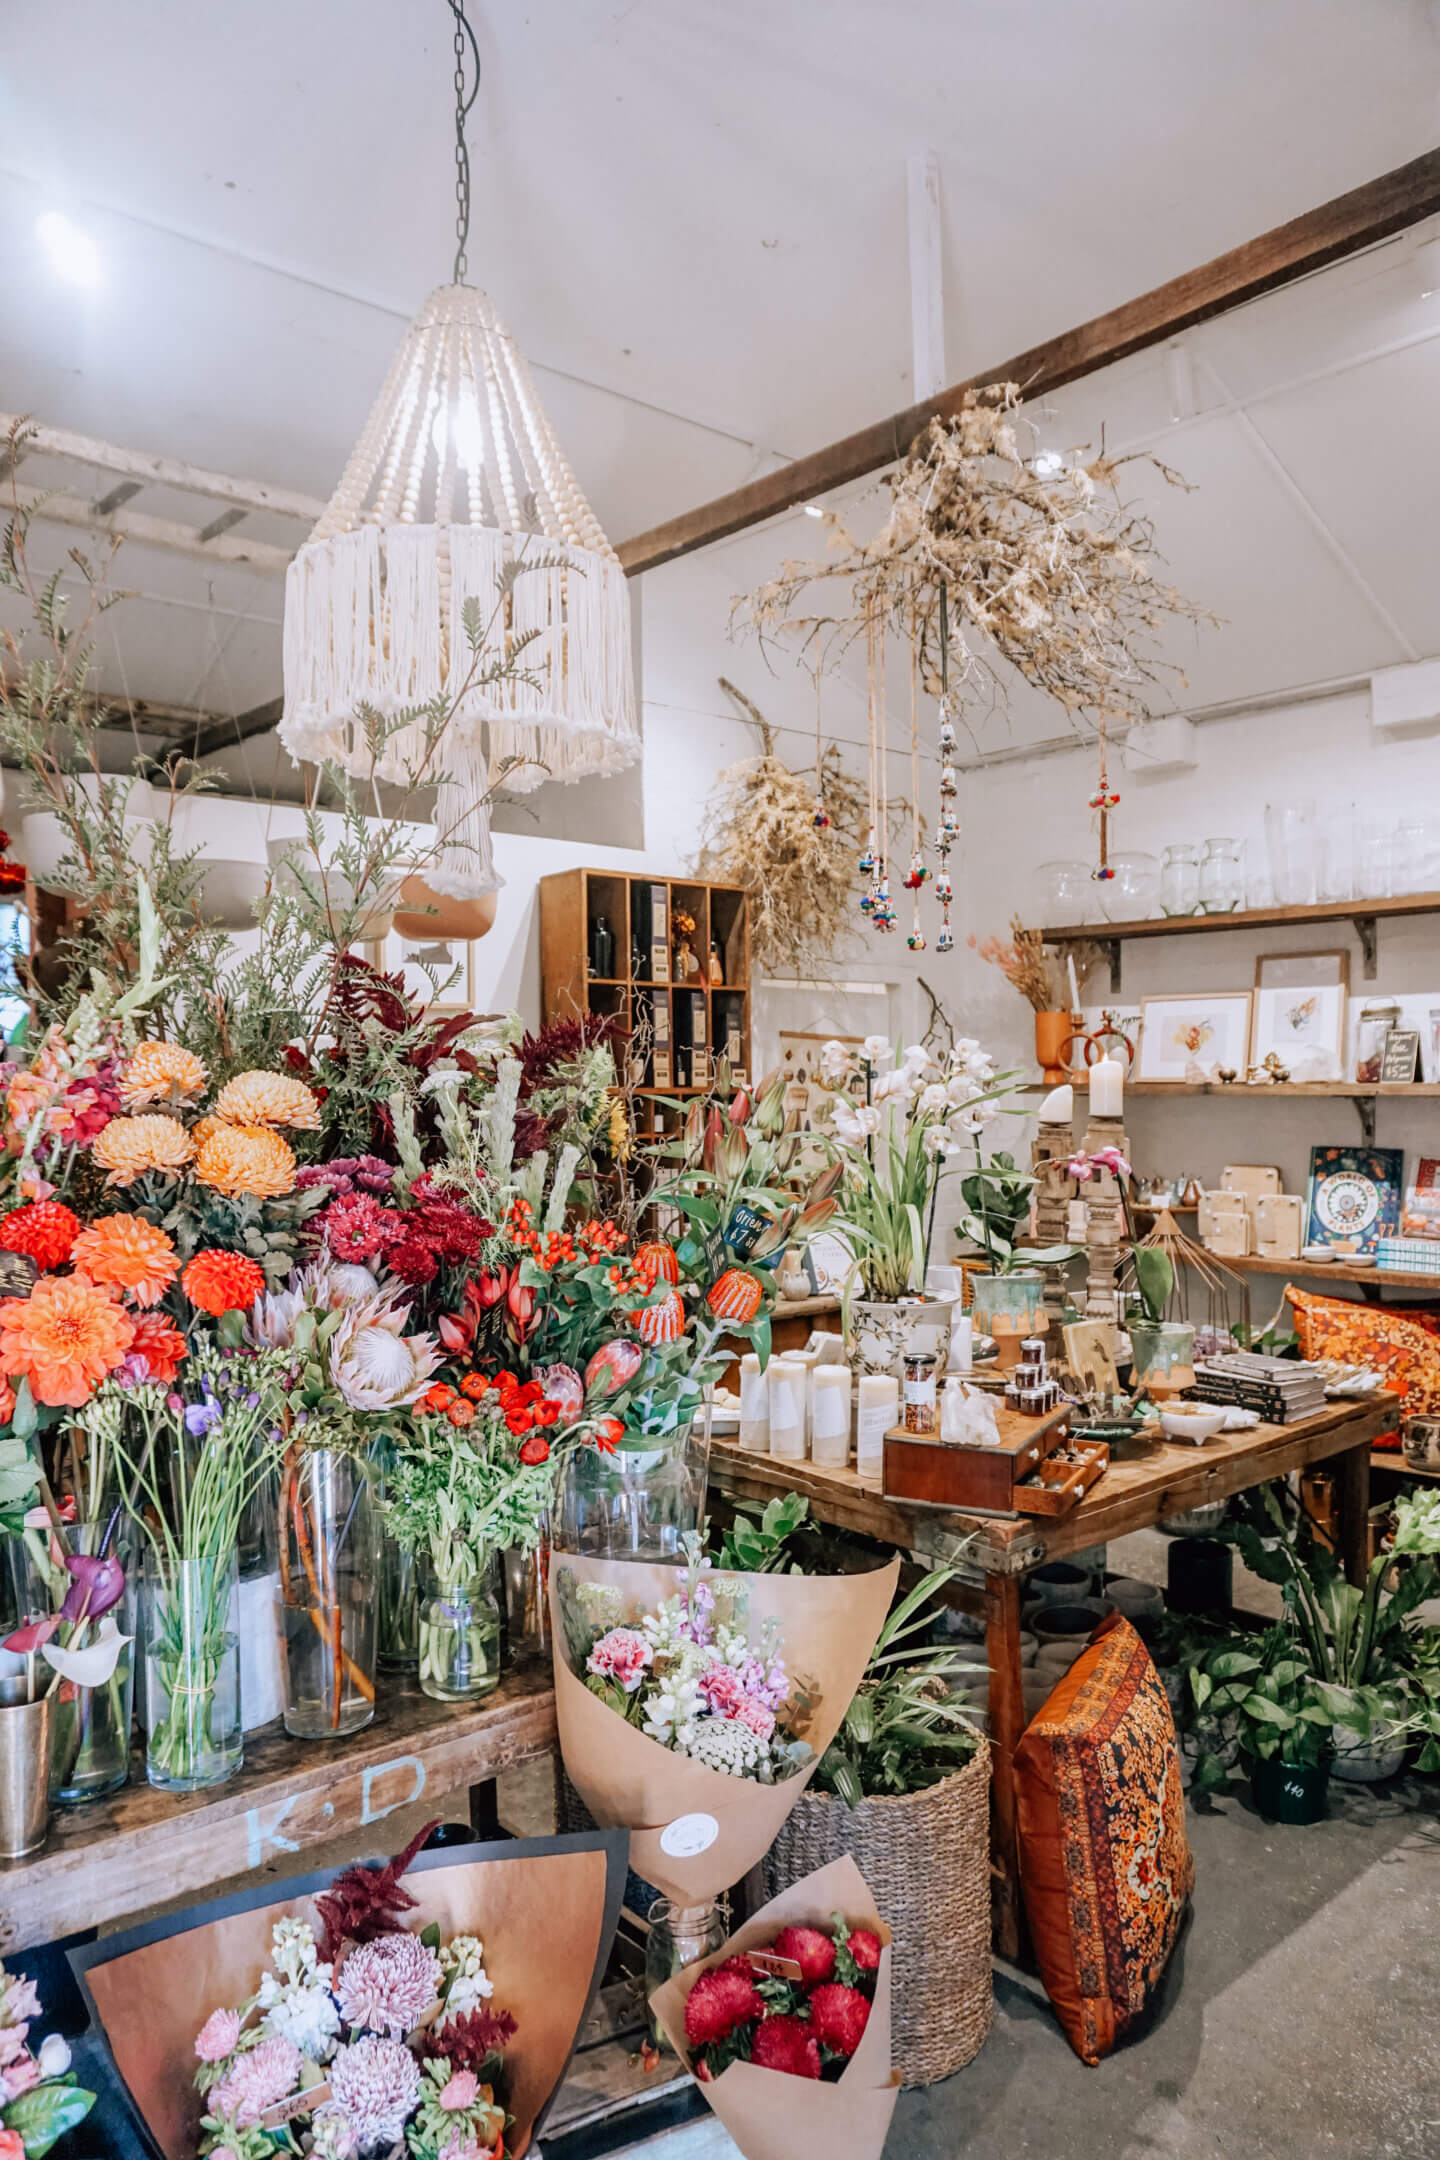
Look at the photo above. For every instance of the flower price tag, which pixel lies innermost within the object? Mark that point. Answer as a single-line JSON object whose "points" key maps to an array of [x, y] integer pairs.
{"points": [[301, 2103], [777, 1968]]}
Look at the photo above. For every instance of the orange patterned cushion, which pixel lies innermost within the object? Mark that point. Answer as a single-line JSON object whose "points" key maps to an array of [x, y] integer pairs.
{"points": [[1404, 1346], [1105, 1863]]}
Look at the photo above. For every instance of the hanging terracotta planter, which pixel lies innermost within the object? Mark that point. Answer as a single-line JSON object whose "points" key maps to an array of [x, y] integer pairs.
{"points": [[424, 913]]}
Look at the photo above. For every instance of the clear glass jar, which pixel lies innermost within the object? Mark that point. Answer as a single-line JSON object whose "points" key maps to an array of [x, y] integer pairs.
{"points": [[525, 1606], [1065, 893], [1131, 895], [680, 1935], [397, 1647], [192, 1673], [460, 1637], [1180, 880], [90, 1727], [636, 1504], [1371, 1029], [329, 1569], [1222, 879], [1290, 841]]}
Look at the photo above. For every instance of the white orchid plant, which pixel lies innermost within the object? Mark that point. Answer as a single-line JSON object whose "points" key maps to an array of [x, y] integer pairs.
{"points": [[898, 1118]]}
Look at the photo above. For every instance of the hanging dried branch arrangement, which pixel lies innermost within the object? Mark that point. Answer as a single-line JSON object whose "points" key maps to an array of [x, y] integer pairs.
{"points": [[1035, 561], [790, 839]]}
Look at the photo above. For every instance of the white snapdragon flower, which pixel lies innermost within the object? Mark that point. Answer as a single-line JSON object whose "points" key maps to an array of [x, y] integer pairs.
{"points": [[673, 1705]]}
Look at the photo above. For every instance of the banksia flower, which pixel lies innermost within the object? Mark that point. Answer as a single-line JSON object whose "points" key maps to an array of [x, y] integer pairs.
{"points": [[266, 1098], [654, 1261], [662, 1323], [737, 1296]]}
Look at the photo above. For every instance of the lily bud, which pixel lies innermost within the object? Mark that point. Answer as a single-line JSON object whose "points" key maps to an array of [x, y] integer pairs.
{"points": [[740, 1107]]}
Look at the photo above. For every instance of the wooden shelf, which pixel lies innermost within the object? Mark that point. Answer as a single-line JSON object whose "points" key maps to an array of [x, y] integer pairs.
{"points": [[1353, 1090], [1392, 1460], [1324, 911], [1334, 1271]]}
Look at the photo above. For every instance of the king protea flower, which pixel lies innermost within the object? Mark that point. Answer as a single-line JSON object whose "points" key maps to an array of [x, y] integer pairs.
{"points": [[613, 1366], [374, 1363]]}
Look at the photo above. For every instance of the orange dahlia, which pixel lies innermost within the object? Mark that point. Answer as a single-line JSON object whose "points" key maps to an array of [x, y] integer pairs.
{"points": [[221, 1282], [158, 1071], [124, 1252], [45, 1231], [246, 1159], [161, 1344], [64, 1338], [129, 1146], [266, 1098]]}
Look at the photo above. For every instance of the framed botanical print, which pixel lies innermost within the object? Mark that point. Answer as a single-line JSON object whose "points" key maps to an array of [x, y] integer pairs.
{"points": [[1208, 1029], [437, 972], [1303, 1025]]}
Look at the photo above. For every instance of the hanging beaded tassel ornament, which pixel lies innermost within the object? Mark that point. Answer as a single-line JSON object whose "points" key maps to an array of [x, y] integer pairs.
{"points": [[919, 869], [949, 831], [1102, 802], [821, 818], [876, 901]]}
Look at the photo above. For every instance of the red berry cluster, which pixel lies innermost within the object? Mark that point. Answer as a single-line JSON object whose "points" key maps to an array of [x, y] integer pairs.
{"points": [[521, 1403], [559, 1248]]}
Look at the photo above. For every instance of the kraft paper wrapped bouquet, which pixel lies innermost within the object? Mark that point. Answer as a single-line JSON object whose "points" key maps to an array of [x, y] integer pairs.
{"points": [[787, 2026], [694, 1704]]}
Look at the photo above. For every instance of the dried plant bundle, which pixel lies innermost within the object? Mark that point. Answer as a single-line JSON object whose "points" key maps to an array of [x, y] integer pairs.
{"points": [[1038, 974], [1041, 562]]}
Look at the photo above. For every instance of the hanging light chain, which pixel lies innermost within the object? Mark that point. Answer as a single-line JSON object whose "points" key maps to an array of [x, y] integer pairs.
{"points": [[463, 35]]}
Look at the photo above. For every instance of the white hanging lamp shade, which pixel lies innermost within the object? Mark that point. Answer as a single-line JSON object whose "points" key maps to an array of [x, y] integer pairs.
{"points": [[456, 476]]}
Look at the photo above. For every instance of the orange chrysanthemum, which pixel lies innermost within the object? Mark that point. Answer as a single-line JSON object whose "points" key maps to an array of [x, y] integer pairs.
{"points": [[64, 1338], [129, 1146], [203, 1127], [221, 1282], [161, 1344], [124, 1252], [266, 1098], [158, 1071], [246, 1159]]}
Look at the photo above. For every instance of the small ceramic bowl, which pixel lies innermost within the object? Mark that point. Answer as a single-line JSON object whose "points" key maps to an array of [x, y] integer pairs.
{"points": [[1195, 1425], [1136, 1600]]}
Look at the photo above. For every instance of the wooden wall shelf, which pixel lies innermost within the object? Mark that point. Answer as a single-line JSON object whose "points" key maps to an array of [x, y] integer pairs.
{"points": [[1361, 1093], [1335, 1271], [1364, 914]]}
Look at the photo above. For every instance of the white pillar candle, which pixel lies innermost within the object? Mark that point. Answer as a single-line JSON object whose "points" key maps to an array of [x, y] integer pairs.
{"points": [[754, 1406], [1058, 1107], [879, 1412], [809, 1359], [787, 1378], [1107, 1088], [962, 1342], [830, 1416]]}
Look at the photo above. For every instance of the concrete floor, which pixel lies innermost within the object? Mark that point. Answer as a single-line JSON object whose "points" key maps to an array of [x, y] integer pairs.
{"points": [[1303, 2018]]}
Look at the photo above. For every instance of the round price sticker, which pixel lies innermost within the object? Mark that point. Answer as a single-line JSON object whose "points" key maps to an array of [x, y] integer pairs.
{"points": [[689, 1835]]}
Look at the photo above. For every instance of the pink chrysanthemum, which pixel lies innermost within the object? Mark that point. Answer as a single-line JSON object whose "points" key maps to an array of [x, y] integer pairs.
{"points": [[217, 2036], [268, 2073], [388, 1985], [375, 2085]]}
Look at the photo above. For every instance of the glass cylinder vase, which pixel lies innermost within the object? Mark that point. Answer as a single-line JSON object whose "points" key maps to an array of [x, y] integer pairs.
{"points": [[90, 1727], [460, 1637], [192, 1672], [637, 1503], [397, 1640], [329, 1567], [679, 1935]]}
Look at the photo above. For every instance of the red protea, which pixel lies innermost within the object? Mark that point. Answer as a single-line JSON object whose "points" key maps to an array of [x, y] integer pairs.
{"points": [[614, 1365], [785, 2043], [737, 1296], [654, 1261], [662, 1323], [720, 2000], [811, 1950], [837, 2017]]}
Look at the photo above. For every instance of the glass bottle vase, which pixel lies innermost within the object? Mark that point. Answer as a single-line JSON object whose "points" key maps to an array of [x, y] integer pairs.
{"points": [[192, 1673], [636, 1503], [679, 1935], [90, 1727], [329, 1568], [460, 1637]]}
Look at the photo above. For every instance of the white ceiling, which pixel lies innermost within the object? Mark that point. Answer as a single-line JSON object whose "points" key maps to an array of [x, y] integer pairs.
{"points": [[693, 216]]}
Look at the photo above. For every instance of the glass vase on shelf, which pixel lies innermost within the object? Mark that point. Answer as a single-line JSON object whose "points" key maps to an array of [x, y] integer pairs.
{"points": [[1290, 841], [89, 1726], [679, 1935], [329, 1565], [460, 1636], [192, 1671], [1180, 880], [398, 1583], [636, 1503], [1222, 880]]}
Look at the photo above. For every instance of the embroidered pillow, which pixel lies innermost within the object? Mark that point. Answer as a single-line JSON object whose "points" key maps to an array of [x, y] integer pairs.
{"points": [[1401, 1345], [1105, 1864]]}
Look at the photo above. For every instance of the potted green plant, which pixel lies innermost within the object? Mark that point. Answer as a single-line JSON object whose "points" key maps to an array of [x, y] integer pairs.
{"points": [[996, 1198], [1162, 1351]]}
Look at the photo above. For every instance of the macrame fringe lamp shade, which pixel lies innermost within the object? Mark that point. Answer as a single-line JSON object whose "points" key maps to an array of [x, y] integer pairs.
{"points": [[456, 474]]}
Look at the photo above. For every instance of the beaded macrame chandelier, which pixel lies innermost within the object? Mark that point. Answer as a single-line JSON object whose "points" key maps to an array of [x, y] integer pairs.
{"points": [[457, 476]]}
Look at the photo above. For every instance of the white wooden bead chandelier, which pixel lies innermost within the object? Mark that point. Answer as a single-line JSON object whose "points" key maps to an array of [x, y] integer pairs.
{"points": [[456, 474]]}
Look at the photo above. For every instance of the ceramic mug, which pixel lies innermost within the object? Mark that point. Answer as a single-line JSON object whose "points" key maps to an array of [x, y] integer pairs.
{"points": [[1420, 1439]]}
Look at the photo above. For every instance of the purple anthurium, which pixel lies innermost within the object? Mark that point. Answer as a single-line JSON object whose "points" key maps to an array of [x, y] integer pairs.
{"points": [[98, 1584]]}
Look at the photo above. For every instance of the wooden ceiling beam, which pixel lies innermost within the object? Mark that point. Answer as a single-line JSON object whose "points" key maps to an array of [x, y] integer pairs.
{"points": [[1342, 227]]}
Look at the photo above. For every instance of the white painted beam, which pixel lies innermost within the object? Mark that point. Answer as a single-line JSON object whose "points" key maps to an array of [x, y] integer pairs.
{"points": [[149, 466], [927, 274], [166, 533]]}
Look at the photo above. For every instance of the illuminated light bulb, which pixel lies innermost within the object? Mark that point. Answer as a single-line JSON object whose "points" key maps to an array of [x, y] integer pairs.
{"points": [[469, 434]]}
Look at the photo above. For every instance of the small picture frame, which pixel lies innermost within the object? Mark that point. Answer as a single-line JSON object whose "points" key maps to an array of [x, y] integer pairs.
{"points": [[1204, 1029], [1401, 1057], [1300, 1007], [437, 972], [1301, 970]]}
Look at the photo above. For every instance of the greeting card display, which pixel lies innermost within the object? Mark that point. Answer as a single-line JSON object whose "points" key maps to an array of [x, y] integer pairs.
{"points": [[1354, 1197]]}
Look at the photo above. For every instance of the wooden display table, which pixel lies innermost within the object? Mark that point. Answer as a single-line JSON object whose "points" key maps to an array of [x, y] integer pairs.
{"points": [[1130, 1496], [143, 1847]]}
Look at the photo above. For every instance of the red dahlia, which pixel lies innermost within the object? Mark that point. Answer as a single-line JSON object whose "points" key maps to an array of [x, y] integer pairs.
{"points": [[720, 2000], [813, 1952], [784, 2043], [865, 1949], [46, 1230], [837, 2017]]}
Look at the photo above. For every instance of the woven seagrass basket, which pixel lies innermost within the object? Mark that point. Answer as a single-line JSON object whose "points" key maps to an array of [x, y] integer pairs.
{"points": [[926, 1858]]}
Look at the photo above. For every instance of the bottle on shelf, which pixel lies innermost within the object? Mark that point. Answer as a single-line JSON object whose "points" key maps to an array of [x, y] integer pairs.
{"points": [[602, 949], [717, 965]]}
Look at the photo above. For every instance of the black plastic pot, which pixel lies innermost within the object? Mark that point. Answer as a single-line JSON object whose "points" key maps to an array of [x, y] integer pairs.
{"points": [[1200, 1576], [1290, 1792]]}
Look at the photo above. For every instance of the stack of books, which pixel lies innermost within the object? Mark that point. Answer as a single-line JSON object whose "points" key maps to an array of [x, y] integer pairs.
{"points": [[1279, 1388], [1408, 1255]]}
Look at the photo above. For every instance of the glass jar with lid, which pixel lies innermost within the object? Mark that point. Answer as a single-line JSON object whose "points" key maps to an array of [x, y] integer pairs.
{"points": [[1375, 1022], [1222, 878], [1180, 880]]}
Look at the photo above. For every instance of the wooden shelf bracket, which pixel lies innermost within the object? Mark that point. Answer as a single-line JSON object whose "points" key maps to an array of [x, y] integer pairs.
{"points": [[1365, 931]]}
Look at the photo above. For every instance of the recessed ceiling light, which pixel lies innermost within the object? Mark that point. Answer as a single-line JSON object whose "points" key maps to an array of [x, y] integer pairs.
{"points": [[814, 510], [73, 254]]}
